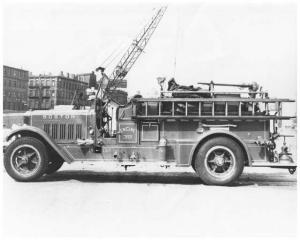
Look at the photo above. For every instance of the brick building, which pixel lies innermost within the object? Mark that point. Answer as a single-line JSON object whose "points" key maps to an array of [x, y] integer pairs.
{"points": [[46, 91], [119, 96], [89, 78], [15, 82]]}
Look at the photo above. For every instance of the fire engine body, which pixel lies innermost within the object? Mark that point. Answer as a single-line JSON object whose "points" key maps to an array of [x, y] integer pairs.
{"points": [[167, 131], [217, 133]]}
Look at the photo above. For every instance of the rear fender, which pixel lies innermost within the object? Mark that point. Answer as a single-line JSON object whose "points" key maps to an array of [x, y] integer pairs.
{"points": [[217, 133], [38, 133]]}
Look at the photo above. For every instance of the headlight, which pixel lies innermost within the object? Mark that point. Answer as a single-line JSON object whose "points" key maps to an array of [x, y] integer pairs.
{"points": [[91, 132]]}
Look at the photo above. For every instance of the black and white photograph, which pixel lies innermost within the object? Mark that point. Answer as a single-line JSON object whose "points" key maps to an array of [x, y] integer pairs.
{"points": [[149, 119]]}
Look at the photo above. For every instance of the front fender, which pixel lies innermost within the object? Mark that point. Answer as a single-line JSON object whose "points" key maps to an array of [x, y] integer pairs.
{"points": [[215, 133], [42, 135]]}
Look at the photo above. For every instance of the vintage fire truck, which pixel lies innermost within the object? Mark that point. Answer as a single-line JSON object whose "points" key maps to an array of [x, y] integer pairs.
{"points": [[217, 133]]}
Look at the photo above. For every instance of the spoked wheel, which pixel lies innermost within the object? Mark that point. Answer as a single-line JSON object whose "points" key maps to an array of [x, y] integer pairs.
{"points": [[219, 161], [26, 159]]}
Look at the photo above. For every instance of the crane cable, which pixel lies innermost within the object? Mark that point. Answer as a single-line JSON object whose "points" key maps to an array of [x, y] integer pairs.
{"points": [[176, 45], [109, 56], [119, 49]]}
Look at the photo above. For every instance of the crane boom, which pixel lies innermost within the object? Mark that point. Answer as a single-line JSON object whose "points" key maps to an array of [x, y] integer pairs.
{"points": [[134, 50], [137, 47]]}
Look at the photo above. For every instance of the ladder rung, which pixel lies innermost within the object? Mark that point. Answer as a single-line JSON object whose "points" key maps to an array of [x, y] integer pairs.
{"points": [[146, 109], [173, 108], [186, 108], [199, 108], [159, 108]]}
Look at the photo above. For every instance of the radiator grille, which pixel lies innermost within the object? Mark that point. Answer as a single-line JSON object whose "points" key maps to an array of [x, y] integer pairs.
{"points": [[78, 130], [70, 131], [47, 128], [54, 131], [62, 131]]}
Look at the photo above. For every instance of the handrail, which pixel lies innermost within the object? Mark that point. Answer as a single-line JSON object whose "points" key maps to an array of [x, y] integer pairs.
{"points": [[218, 92], [236, 117], [219, 125], [171, 99]]}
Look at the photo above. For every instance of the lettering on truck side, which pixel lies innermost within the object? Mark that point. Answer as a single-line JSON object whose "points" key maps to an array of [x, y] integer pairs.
{"points": [[55, 117]]}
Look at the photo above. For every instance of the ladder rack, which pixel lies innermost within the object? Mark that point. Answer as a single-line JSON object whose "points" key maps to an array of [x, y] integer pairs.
{"points": [[216, 92], [204, 108]]}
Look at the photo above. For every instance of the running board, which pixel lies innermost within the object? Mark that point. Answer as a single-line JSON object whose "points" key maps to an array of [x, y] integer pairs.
{"points": [[275, 165]]}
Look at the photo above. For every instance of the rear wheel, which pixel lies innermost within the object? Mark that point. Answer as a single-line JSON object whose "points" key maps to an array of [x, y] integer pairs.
{"points": [[219, 161], [26, 159]]}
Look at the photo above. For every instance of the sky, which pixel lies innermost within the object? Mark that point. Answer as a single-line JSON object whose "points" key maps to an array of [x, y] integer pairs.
{"points": [[227, 42]]}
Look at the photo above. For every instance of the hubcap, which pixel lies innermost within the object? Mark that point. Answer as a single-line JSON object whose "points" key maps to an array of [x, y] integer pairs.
{"points": [[219, 161], [25, 160]]}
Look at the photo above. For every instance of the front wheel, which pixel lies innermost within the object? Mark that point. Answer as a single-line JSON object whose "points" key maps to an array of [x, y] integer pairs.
{"points": [[26, 159], [219, 161]]}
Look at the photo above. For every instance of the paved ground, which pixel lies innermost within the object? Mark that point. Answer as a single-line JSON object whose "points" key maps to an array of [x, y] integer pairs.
{"points": [[88, 201]]}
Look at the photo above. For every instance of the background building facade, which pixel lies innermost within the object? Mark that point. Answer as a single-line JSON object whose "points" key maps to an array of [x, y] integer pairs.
{"points": [[119, 96], [46, 91], [89, 78], [23, 91], [15, 84]]}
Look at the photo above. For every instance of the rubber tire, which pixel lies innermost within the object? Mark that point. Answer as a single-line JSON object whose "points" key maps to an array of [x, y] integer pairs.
{"points": [[203, 173], [54, 166], [43, 154]]}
